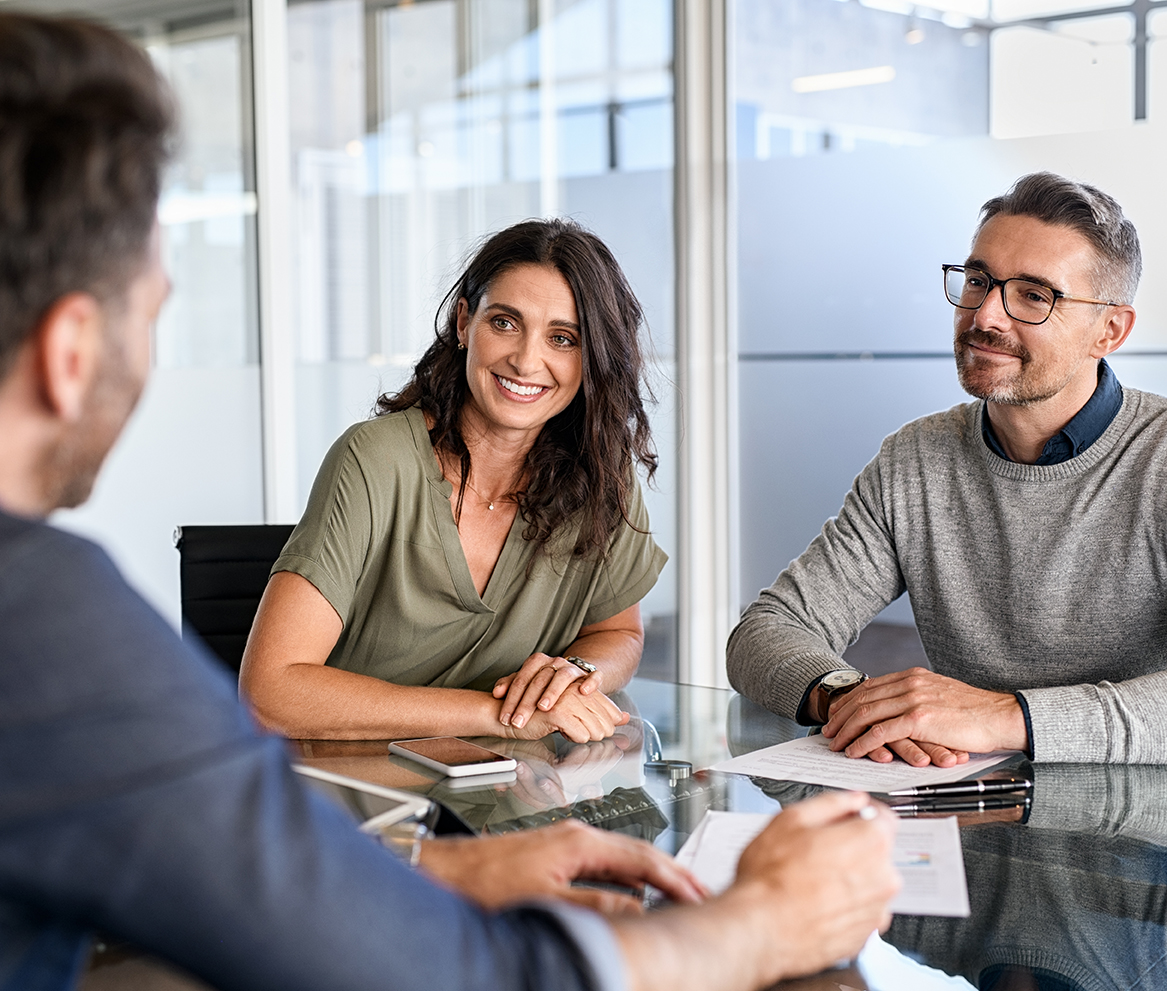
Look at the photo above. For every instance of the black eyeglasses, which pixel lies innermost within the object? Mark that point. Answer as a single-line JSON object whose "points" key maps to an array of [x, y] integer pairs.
{"points": [[1025, 301]]}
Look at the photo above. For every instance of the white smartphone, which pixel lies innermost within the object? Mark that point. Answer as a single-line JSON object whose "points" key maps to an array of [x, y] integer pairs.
{"points": [[452, 756]]}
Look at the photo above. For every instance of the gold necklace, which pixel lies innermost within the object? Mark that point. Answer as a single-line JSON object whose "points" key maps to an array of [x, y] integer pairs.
{"points": [[489, 502]]}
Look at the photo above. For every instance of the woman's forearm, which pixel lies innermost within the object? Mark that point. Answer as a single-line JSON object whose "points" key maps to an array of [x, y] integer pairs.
{"points": [[292, 691], [311, 701]]}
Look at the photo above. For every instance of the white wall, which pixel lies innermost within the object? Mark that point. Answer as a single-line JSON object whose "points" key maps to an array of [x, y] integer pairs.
{"points": [[191, 454]]}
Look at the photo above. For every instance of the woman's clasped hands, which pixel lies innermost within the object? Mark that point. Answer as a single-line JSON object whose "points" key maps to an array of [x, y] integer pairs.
{"points": [[549, 694]]}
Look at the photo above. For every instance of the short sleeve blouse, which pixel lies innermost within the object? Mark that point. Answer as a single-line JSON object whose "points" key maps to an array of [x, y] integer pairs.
{"points": [[378, 540]]}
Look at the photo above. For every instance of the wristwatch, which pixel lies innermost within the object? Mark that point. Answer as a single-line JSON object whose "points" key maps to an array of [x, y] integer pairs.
{"points": [[579, 662], [841, 681]]}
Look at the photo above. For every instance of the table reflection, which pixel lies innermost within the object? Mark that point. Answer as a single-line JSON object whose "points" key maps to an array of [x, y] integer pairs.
{"points": [[1073, 898]]}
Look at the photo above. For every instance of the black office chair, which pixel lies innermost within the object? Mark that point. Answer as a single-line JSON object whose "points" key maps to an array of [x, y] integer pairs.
{"points": [[222, 572]]}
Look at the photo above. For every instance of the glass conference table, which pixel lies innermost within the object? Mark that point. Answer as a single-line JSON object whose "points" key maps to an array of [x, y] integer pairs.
{"points": [[1074, 897]]}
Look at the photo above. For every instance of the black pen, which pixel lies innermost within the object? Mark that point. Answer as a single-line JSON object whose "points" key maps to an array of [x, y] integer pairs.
{"points": [[981, 786], [970, 805]]}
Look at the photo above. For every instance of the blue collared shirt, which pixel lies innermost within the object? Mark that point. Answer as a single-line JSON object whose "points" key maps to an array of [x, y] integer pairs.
{"points": [[1088, 424]]}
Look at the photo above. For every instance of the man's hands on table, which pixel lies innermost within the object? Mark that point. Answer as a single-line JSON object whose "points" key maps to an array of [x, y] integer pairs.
{"points": [[924, 718], [809, 891], [496, 871]]}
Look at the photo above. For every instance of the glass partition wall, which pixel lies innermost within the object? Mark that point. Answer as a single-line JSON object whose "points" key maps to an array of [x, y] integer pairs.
{"points": [[192, 453], [868, 134], [416, 129], [420, 128]]}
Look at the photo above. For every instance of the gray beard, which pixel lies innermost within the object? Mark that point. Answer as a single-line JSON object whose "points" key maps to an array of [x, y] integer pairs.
{"points": [[1005, 395], [1009, 394]]}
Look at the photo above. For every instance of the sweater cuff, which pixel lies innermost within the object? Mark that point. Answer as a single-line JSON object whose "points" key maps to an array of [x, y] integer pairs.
{"points": [[808, 669], [1028, 723], [1066, 725], [799, 712]]}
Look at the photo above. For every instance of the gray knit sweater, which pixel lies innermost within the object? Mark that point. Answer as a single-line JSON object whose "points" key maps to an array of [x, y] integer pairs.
{"points": [[1051, 580]]}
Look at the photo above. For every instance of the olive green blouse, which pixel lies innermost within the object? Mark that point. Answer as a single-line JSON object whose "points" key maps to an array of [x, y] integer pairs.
{"points": [[378, 540]]}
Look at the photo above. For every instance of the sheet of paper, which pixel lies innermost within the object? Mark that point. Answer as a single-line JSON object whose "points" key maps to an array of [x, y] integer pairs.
{"points": [[688, 851], [810, 760], [716, 845], [929, 859], [927, 854], [884, 968]]}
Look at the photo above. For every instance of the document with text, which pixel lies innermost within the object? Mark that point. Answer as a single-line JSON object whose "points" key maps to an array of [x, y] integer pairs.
{"points": [[927, 854], [811, 761]]}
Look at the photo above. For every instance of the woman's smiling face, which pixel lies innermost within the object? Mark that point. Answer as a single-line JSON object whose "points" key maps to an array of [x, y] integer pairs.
{"points": [[523, 349]]}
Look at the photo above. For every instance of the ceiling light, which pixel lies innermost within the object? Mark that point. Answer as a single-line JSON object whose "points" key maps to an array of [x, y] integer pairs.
{"points": [[844, 80]]}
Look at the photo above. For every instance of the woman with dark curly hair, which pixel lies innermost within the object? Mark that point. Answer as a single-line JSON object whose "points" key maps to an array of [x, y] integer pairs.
{"points": [[471, 559]]}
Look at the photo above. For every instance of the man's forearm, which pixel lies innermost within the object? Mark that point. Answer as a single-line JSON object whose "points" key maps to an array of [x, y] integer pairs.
{"points": [[809, 891], [796, 630], [771, 661], [717, 947]]}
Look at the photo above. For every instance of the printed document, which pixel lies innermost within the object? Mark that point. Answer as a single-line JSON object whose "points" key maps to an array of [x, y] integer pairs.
{"points": [[715, 846], [884, 968], [810, 760], [927, 854]]}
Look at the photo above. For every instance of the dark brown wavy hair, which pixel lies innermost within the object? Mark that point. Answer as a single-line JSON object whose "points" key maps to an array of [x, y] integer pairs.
{"points": [[581, 467]]}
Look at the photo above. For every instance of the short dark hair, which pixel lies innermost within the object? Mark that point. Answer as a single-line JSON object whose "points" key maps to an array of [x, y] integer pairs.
{"points": [[1090, 212], [86, 126], [581, 465]]}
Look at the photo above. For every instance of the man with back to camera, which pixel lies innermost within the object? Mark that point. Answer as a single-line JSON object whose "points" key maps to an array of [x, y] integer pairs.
{"points": [[135, 795], [1027, 528]]}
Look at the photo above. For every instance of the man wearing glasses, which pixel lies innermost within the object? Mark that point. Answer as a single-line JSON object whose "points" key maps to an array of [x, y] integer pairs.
{"points": [[1028, 528]]}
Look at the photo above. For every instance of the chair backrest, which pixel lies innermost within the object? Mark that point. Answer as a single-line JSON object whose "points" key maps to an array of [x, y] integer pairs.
{"points": [[223, 571]]}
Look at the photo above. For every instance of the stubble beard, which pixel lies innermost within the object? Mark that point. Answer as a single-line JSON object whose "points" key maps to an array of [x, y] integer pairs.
{"points": [[72, 468], [1028, 385]]}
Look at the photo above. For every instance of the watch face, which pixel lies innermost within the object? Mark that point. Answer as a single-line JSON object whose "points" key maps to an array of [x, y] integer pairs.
{"points": [[843, 679]]}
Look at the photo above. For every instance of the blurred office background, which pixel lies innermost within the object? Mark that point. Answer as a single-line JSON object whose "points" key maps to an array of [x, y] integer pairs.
{"points": [[781, 180], [868, 134]]}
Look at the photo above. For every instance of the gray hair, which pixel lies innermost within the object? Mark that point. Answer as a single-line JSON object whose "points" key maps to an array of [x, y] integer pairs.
{"points": [[1056, 200]]}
